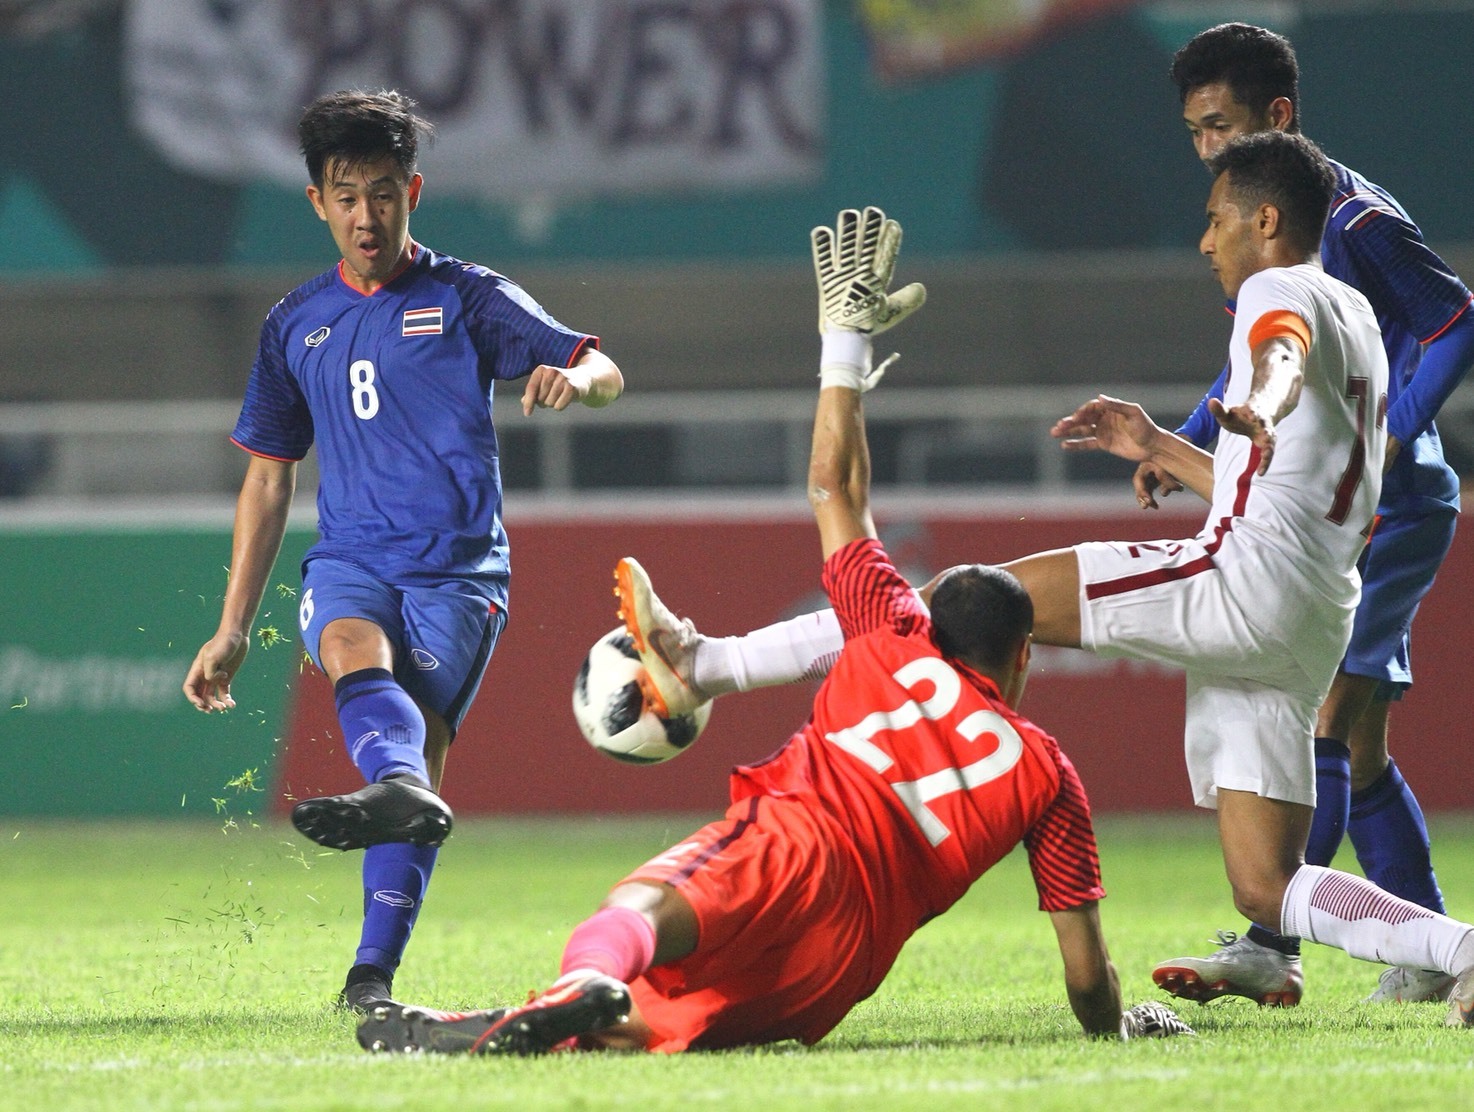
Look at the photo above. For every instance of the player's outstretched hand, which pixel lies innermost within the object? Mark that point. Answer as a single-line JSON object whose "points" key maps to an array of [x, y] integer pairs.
{"points": [[1152, 1020], [1107, 424], [207, 685], [854, 262], [554, 388], [1150, 480], [1247, 421]]}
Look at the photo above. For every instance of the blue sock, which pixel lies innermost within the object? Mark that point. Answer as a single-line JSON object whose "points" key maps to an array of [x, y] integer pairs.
{"points": [[1332, 800], [1391, 840], [395, 876], [383, 729]]}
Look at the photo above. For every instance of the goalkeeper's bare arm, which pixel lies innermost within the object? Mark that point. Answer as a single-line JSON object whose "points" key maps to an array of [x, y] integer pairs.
{"points": [[853, 262]]}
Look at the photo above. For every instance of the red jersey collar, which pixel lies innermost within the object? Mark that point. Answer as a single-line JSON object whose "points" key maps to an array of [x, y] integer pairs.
{"points": [[414, 256]]}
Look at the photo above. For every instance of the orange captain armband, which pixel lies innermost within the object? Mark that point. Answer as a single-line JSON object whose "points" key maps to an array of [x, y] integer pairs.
{"points": [[1280, 322]]}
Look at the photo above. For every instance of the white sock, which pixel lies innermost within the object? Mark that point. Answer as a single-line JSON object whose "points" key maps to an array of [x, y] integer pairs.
{"points": [[1354, 915], [803, 648]]}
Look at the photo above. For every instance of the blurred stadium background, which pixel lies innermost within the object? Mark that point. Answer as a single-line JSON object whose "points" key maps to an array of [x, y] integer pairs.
{"points": [[648, 171]]}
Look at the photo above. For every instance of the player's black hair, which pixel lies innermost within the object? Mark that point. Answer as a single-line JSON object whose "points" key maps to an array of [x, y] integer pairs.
{"points": [[354, 127], [1257, 65], [1286, 171], [980, 614]]}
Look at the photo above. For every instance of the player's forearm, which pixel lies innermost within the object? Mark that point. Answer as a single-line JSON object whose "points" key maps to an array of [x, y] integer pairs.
{"points": [[1090, 977], [839, 469], [1279, 374], [1098, 1007], [260, 524], [1446, 361], [1188, 463], [840, 458], [1200, 428]]}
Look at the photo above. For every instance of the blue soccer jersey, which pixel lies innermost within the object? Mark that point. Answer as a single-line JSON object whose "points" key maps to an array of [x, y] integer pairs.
{"points": [[1372, 244], [395, 389]]}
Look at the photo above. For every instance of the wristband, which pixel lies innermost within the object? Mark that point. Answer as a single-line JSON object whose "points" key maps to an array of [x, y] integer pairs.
{"points": [[844, 359], [840, 345], [842, 374]]}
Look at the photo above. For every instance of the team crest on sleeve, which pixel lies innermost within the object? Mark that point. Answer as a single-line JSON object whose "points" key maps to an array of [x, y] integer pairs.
{"points": [[423, 322]]}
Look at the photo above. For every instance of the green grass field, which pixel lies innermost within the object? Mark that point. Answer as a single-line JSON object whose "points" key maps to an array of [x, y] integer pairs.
{"points": [[180, 966]]}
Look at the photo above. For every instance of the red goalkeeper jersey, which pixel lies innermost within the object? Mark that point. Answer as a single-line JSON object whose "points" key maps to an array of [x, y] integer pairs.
{"points": [[918, 758]]}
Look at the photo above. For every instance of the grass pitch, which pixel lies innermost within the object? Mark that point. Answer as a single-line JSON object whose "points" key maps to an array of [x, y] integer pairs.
{"points": [[184, 966]]}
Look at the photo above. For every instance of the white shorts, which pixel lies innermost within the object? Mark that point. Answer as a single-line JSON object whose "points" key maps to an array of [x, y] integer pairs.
{"points": [[1254, 687], [1249, 737]]}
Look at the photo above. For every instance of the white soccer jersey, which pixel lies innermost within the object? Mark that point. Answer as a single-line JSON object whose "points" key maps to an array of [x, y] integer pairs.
{"points": [[1319, 496], [1258, 607]]}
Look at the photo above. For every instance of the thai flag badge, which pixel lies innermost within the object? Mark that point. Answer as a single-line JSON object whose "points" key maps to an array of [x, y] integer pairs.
{"points": [[423, 322]]}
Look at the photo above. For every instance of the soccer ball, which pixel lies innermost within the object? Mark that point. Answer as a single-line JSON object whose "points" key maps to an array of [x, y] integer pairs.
{"points": [[611, 709]]}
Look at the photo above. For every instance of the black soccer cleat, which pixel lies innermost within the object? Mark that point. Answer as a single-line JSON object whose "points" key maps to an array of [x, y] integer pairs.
{"points": [[366, 988], [395, 810], [541, 1025]]}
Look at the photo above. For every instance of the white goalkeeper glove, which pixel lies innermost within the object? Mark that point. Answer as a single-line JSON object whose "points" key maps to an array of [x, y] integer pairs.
{"points": [[854, 262], [1152, 1020]]}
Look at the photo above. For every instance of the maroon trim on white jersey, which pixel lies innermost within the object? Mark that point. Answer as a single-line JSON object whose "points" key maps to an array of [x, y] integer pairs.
{"points": [[1157, 576]]}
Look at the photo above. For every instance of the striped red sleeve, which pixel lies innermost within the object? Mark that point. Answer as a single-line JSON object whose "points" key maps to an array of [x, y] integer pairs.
{"points": [[1061, 845], [867, 592]]}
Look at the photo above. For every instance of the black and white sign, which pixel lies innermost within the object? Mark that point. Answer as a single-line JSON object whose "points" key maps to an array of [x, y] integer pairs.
{"points": [[532, 99]]}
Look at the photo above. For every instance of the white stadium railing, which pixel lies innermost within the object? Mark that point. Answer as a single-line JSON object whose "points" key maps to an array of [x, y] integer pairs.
{"points": [[954, 439]]}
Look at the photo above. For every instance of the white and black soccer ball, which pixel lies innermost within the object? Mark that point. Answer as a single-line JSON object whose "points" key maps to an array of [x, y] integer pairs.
{"points": [[611, 710]]}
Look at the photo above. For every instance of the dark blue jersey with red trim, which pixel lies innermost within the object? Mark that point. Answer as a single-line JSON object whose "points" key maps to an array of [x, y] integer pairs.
{"points": [[395, 390]]}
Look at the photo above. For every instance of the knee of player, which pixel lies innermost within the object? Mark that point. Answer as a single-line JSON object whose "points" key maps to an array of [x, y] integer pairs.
{"points": [[669, 914], [1260, 898]]}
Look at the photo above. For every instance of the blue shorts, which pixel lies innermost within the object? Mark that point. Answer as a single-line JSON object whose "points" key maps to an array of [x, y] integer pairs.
{"points": [[443, 636], [1397, 569]]}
